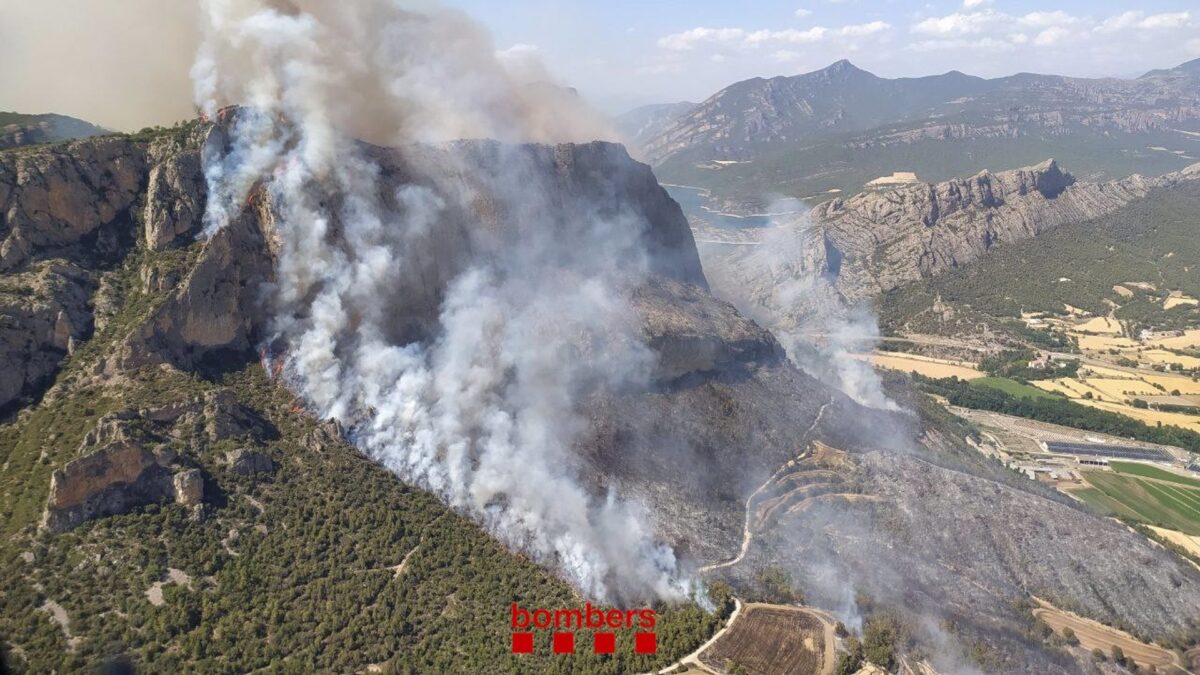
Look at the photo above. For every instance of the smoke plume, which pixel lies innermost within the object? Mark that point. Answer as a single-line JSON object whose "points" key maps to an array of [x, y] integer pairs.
{"points": [[785, 283], [470, 385]]}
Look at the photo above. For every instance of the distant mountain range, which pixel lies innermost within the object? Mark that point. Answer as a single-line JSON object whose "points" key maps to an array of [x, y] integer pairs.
{"points": [[642, 124], [1191, 68], [18, 129], [839, 127]]}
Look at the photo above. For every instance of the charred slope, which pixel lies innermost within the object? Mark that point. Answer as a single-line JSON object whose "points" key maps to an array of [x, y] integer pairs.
{"points": [[177, 320]]}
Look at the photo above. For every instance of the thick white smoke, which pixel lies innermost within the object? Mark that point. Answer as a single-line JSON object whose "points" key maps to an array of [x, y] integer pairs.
{"points": [[483, 407], [782, 283]]}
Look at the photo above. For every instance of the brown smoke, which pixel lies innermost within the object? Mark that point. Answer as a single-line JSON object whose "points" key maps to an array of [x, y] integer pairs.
{"points": [[122, 64]]}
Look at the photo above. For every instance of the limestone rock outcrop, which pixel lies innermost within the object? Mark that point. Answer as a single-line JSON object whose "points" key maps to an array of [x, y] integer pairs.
{"points": [[856, 248], [886, 239], [109, 481], [250, 463], [43, 311], [133, 458]]}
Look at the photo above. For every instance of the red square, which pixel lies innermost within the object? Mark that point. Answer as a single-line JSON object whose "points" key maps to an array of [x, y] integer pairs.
{"points": [[645, 643], [564, 643], [522, 643], [604, 643]]}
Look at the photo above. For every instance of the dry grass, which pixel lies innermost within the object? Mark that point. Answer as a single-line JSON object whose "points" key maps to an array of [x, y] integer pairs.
{"points": [[1148, 416], [925, 365], [1162, 356], [1118, 390], [1185, 385], [1103, 343], [1186, 542], [1111, 373], [1094, 635], [1100, 324], [1189, 338], [1179, 301]]}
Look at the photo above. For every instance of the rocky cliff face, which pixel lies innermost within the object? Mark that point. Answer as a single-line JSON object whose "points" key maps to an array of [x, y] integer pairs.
{"points": [[853, 249], [69, 211], [885, 239]]}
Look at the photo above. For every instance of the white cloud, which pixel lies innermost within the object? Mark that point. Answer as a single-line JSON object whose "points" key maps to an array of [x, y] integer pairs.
{"points": [[971, 4], [1137, 20], [1047, 19], [1051, 36], [802, 13], [1172, 20], [717, 58], [688, 39], [795, 37], [1193, 46], [862, 29], [740, 38], [959, 23], [986, 44]]}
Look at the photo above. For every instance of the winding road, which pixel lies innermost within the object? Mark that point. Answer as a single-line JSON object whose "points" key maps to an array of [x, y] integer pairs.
{"points": [[693, 660], [747, 532]]}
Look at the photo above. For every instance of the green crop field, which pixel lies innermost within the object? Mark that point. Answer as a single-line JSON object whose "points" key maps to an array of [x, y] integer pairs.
{"points": [[1148, 500], [1147, 471], [1012, 387]]}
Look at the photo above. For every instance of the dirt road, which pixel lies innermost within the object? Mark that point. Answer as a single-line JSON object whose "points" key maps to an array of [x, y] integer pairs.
{"points": [[747, 527], [693, 660], [1095, 635]]}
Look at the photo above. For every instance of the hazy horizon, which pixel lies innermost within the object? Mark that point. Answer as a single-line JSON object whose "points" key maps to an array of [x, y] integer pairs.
{"points": [[619, 56]]}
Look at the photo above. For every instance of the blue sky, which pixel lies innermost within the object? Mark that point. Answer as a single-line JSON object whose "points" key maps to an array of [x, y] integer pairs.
{"points": [[61, 56], [622, 53]]}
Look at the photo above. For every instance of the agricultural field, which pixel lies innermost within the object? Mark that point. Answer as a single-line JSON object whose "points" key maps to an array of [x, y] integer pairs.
{"points": [[1164, 356], [1147, 499], [1101, 324], [1098, 343], [1151, 417], [928, 366], [1149, 471], [772, 639], [1184, 385], [1180, 300], [1189, 339], [1115, 390], [1011, 387]]}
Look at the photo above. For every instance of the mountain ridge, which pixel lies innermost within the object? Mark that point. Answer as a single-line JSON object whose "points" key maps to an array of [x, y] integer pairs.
{"points": [[837, 129], [18, 129]]}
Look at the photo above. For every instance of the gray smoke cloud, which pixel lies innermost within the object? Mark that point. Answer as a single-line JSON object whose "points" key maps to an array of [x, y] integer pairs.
{"points": [[482, 408], [782, 283]]}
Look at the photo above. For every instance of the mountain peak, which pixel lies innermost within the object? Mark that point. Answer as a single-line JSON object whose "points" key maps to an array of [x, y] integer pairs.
{"points": [[841, 67]]}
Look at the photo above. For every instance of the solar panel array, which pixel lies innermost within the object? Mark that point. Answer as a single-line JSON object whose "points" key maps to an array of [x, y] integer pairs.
{"points": [[1119, 451]]}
